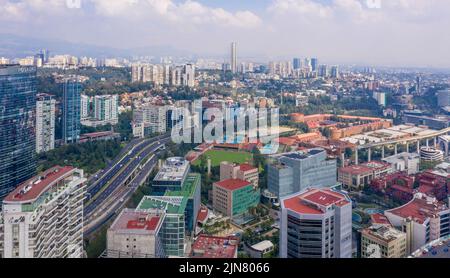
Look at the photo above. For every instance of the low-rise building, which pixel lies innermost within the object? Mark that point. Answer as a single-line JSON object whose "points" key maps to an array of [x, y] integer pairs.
{"points": [[355, 177], [136, 234], [212, 247], [380, 241], [429, 154], [260, 250], [245, 172], [234, 197], [404, 162]]}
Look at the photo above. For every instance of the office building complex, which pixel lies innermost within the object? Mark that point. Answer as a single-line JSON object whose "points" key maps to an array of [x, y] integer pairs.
{"points": [[316, 223], [294, 172], [45, 123], [136, 234], [172, 174], [234, 197], [17, 126], [173, 228], [243, 172], [71, 111], [383, 241], [43, 217], [423, 219]]}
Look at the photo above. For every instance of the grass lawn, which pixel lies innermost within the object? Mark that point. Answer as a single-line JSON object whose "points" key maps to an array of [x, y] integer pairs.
{"points": [[218, 156]]}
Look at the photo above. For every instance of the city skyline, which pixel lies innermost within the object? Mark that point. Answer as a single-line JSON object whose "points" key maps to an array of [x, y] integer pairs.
{"points": [[338, 31]]}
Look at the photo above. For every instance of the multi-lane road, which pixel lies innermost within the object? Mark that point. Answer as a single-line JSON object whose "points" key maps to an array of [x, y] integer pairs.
{"points": [[108, 191]]}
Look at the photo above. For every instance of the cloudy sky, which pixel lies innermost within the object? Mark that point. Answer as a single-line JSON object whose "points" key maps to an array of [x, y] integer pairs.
{"points": [[379, 32]]}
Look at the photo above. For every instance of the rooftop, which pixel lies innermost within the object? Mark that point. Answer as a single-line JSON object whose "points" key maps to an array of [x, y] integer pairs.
{"points": [[214, 247], [247, 167], [188, 188], [315, 201], [168, 204], [232, 184], [380, 219], [263, 245], [420, 208], [303, 154], [33, 188], [173, 170], [131, 221], [383, 232]]}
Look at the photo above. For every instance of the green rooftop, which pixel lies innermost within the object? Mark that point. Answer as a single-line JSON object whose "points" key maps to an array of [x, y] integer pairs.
{"points": [[170, 204], [188, 188]]}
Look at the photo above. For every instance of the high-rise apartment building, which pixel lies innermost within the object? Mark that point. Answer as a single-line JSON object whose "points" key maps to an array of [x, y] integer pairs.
{"points": [[45, 123], [316, 223], [106, 109], [85, 107], [71, 103], [294, 172], [149, 119], [234, 62], [43, 217], [17, 126], [189, 75]]}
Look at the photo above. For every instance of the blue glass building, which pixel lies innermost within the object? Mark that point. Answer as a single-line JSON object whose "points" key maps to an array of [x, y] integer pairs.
{"points": [[71, 121], [17, 126]]}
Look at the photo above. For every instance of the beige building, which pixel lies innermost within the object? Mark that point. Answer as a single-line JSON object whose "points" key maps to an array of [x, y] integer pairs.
{"points": [[244, 172], [135, 234], [380, 241], [355, 177]]}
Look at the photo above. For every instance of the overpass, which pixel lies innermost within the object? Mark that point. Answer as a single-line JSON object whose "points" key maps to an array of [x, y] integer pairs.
{"points": [[401, 141]]}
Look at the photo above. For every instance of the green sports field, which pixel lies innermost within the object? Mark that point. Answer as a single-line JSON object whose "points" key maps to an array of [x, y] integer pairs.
{"points": [[218, 156]]}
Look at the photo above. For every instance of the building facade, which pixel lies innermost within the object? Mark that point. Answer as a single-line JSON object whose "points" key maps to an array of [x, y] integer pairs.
{"points": [[43, 217], [71, 111], [17, 126], [234, 197], [381, 241], [136, 234], [243, 172], [355, 177], [45, 123], [316, 223], [294, 172]]}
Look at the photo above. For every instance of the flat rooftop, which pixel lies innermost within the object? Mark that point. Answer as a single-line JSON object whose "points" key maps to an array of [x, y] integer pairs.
{"points": [[232, 184], [214, 247], [168, 204], [33, 188], [174, 169], [315, 201], [303, 155], [385, 233], [142, 222], [189, 186]]}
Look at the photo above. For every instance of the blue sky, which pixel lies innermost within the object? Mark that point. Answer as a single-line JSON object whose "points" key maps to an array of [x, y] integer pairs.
{"points": [[396, 33]]}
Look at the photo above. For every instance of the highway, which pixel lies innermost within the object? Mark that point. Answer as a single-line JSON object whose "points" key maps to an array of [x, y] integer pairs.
{"points": [[105, 190]]}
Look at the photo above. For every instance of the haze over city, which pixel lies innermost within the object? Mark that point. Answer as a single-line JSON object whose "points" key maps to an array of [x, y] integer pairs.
{"points": [[394, 33]]}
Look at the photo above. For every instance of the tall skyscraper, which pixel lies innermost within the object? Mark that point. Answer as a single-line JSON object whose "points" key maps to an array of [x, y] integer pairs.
{"points": [[45, 123], [314, 64], [234, 65], [297, 63], [17, 126], [316, 223], [335, 71], [418, 85], [71, 110], [106, 108]]}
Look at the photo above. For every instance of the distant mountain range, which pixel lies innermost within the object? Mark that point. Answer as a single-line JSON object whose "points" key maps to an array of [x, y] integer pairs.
{"points": [[18, 46]]}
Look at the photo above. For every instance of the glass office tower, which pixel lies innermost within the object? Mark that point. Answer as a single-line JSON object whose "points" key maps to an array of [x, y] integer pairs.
{"points": [[71, 111], [17, 126]]}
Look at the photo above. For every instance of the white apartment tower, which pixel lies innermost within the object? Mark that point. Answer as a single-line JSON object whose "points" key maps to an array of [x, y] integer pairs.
{"points": [[45, 123], [234, 64], [43, 217]]}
